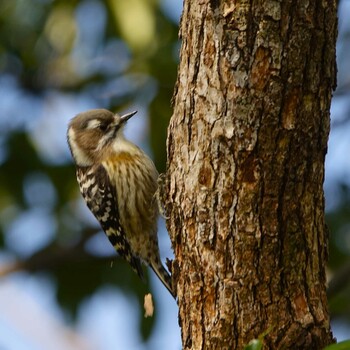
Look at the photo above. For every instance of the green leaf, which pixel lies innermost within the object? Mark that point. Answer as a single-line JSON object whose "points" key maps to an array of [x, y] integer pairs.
{"points": [[255, 344], [344, 345]]}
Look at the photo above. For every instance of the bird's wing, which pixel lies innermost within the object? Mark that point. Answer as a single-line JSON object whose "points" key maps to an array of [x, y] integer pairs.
{"points": [[101, 198]]}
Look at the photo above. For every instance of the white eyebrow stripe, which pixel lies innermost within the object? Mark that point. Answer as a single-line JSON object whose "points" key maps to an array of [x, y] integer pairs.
{"points": [[92, 124]]}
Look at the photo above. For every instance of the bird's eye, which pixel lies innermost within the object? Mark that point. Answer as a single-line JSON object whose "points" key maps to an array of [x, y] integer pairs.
{"points": [[103, 127]]}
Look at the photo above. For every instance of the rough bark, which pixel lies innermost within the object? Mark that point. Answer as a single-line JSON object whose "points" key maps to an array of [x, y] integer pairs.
{"points": [[246, 150]]}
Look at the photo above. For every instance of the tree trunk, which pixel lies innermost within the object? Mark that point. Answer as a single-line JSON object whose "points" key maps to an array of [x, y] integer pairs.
{"points": [[246, 150]]}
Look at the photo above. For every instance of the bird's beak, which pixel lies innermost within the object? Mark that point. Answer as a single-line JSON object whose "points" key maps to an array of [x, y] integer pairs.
{"points": [[124, 118]]}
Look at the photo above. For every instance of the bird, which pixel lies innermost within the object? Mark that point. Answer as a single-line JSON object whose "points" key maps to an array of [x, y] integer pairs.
{"points": [[118, 182]]}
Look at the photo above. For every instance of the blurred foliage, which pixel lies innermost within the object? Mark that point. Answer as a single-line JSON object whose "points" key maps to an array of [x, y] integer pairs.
{"points": [[339, 224], [112, 54], [55, 54], [344, 345]]}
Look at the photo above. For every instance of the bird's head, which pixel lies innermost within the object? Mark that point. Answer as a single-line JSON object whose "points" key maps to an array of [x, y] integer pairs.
{"points": [[91, 133]]}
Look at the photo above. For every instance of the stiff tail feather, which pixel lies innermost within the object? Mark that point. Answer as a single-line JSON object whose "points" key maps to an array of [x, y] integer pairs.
{"points": [[163, 275]]}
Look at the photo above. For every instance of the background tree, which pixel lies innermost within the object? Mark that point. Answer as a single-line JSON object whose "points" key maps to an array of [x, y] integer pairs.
{"points": [[58, 58], [246, 150]]}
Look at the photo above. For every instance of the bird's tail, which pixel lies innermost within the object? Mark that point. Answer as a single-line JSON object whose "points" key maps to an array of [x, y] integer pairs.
{"points": [[163, 275], [137, 267]]}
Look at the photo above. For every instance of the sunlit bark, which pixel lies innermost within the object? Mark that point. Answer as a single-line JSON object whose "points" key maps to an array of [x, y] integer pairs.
{"points": [[246, 149]]}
